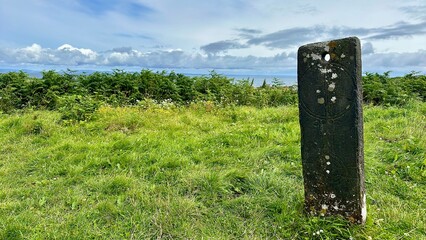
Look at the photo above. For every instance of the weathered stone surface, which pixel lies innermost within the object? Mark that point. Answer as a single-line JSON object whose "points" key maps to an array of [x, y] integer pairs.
{"points": [[330, 105]]}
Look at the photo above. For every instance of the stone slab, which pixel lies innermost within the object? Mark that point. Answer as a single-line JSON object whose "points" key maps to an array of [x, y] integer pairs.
{"points": [[330, 108]]}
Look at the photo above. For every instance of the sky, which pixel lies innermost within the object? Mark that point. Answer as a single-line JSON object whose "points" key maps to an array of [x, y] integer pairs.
{"points": [[233, 35]]}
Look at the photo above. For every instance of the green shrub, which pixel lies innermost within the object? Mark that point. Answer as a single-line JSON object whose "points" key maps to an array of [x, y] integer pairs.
{"points": [[8, 99], [415, 84], [77, 107], [381, 89]]}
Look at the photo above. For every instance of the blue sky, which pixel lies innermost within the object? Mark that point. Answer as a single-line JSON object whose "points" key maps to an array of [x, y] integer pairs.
{"points": [[251, 35]]}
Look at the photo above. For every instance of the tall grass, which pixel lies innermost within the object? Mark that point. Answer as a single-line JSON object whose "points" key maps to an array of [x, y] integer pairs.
{"points": [[161, 171]]}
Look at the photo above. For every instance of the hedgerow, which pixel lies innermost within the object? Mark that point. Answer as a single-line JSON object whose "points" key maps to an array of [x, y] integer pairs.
{"points": [[18, 90], [77, 95]]}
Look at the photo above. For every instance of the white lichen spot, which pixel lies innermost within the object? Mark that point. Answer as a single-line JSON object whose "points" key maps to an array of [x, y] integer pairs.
{"points": [[325, 70], [304, 54], [327, 48], [305, 59], [327, 171], [318, 91], [331, 86], [324, 206], [363, 208], [343, 55], [347, 107], [315, 56], [333, 99], [312, 64], [328, 163], [336, 207], [321, 100], [327, 157], [332, 195], [333, 75]]}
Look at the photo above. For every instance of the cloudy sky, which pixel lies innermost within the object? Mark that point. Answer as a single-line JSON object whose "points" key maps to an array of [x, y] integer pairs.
{"points": [[199, 34]]}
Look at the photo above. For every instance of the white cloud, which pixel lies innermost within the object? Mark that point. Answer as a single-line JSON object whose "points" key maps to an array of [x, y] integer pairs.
{"points": [[33, 52], [84, 51], [69, 56], [401, 62]]}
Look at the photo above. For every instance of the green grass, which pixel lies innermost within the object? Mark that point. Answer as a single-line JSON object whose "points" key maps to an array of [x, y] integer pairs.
{"points": [[166, 172]]}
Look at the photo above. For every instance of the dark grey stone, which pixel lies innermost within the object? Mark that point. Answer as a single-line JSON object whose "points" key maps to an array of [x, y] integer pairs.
{"points": [[330, 105]]}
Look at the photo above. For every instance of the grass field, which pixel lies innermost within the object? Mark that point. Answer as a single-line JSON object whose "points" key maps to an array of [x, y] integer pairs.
{"points": [[166, 172]]}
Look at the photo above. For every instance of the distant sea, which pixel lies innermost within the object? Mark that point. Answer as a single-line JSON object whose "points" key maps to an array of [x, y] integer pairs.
{"points": [[256, 76], [259, 78]]}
